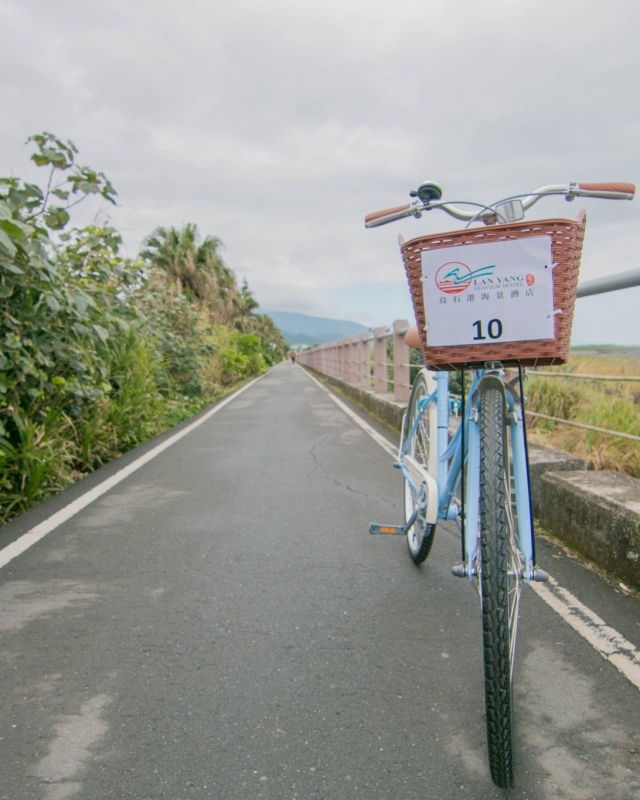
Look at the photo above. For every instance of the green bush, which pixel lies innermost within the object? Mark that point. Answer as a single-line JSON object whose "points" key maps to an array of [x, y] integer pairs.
{"points": [[99, 352]]}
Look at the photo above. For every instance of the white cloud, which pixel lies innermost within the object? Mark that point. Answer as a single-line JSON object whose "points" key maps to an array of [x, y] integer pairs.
{"points": [[278, 126]]}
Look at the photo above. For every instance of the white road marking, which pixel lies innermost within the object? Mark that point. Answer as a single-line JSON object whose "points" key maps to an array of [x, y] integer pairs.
{"points": [[30, 538], [605, 640]]}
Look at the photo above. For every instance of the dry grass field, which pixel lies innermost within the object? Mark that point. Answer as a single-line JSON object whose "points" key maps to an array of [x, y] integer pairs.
{"points": [[613, 405]]}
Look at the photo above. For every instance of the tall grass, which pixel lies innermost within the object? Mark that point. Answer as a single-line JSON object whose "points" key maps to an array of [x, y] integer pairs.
{"points": [[132, 411], [38, 464], [55, 445], [611, 405]]}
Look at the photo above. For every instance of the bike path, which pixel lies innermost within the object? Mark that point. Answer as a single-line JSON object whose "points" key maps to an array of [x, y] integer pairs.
{"points": [[220, 625]]}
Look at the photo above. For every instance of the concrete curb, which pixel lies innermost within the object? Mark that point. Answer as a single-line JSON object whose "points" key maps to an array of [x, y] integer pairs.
{"points": [[543, 460], [596, 513]]}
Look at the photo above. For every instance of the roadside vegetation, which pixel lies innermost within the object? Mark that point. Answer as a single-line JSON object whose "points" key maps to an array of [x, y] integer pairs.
{"points": [[611, 405], [99, 352]]}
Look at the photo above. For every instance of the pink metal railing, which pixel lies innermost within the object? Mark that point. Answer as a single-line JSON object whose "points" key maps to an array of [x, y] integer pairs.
{"points": [[363, 361]]}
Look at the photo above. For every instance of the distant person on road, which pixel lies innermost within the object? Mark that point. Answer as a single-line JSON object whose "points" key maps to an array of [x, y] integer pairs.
{"points": [[292, 356]]}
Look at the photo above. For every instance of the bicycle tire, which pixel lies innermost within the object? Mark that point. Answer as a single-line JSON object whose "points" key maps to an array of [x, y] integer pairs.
{"points": [[422, 446], [500, 573]]}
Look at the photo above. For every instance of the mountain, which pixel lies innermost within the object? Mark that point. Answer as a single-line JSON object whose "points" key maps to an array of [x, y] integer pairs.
{"points": [[302, 329]]}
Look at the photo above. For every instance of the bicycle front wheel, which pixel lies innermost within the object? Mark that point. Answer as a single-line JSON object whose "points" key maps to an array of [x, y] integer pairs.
{"points": [[500, 582], [421, 447]]}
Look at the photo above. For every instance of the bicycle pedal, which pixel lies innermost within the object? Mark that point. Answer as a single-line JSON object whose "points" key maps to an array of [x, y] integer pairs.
{"points": [[389, 530]]}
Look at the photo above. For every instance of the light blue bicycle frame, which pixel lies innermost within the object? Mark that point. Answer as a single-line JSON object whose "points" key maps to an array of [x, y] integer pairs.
{"points": [[449, 472]]}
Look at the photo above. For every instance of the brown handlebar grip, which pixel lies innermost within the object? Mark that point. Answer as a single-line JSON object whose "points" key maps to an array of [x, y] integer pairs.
{"points": [[386, 212], [412, 338], [624, 188]]}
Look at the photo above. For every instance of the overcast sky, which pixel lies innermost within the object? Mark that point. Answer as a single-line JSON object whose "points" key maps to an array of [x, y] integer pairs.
{"points": [[278, 125]]}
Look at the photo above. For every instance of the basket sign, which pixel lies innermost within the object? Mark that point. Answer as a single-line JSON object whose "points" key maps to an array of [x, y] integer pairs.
{"points": [[489, 293]]}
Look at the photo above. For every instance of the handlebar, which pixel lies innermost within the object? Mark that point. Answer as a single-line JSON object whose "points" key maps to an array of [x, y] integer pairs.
{"points": [[388, 215], [621, 188], [392, 214], [489, 214]]}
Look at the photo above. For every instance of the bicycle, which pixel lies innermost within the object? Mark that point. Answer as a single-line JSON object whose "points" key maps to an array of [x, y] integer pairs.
{"points": [[523, 278]]}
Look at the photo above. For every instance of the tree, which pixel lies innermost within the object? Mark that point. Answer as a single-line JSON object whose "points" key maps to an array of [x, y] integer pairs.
{"points": [[196, 267], [243, 306]]}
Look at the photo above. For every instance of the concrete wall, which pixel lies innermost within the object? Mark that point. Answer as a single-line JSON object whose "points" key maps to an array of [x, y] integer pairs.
{"points": [[597, 513]]}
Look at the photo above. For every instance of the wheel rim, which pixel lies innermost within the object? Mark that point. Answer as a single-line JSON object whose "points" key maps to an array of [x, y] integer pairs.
{"points": [[418, 449], [417, 531], [515, 560]]}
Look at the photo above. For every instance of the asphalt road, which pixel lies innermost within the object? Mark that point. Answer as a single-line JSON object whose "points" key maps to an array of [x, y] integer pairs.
{"points": [[221, 625]]}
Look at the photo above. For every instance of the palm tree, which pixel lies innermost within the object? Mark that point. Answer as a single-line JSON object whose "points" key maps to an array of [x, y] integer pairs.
{"points": [[196, 267], [244, 304]]}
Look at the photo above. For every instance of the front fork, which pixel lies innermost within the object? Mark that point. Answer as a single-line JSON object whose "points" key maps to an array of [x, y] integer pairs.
{"points": [[514, 419]]}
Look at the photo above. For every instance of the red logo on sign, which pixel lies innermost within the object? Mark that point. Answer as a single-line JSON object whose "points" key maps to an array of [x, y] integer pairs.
{"points": [[531, 279], [453, 277]]}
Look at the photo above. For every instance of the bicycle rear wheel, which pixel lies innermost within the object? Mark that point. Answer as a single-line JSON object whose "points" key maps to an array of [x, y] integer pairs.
{"points": [[500, 582], [422, 447]]}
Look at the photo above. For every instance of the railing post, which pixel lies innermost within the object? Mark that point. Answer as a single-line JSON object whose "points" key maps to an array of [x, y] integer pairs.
{"points": [[354, 361], [344, 374], [380, 383], [364, 370], [401, 372], [347, 360], [354, 355]]}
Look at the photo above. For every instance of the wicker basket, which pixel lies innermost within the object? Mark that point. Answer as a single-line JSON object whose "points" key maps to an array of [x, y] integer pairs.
{"points": [[566, 247]]}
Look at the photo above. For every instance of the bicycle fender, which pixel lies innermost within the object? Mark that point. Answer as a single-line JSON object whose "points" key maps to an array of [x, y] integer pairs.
{"points": [[489, 382]]}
